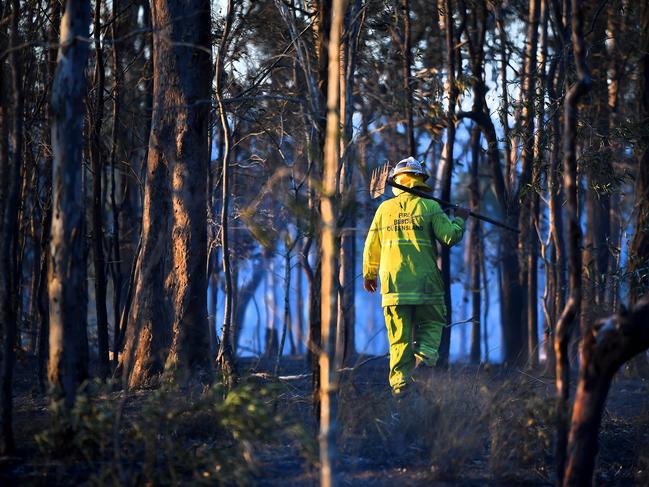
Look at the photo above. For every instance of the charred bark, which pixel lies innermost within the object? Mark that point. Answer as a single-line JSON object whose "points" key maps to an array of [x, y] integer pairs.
{"points": [[97, 211], [639, 249], [168, 322], [605, 347], [9, 277], [68, 358]]}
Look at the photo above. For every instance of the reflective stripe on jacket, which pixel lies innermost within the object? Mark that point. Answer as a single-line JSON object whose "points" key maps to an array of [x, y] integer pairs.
{"points": [[400, 248]]}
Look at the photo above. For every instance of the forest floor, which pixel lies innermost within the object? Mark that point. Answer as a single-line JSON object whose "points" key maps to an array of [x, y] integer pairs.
{"points": [[467, 426]]}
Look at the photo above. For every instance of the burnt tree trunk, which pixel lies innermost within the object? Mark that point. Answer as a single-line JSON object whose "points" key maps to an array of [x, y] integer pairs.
{"points": [[526, 239], [97, 213], [639, 250], [453, 92], [475, 248], [475, 41], [605, 347], [68, 358], [345, 341], [42, 296], [9, 276], [168, 322]]}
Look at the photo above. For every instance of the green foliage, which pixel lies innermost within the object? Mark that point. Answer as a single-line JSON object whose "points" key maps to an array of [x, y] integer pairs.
{"points": [[168, 437], [80, 433]]}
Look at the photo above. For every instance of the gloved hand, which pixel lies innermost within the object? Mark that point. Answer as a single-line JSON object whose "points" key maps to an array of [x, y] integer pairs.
{"points": [[462, 212], [370, 285]]}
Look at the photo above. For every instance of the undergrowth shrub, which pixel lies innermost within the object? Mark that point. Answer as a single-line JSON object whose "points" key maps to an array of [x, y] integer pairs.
{"points": [[174, 437]]}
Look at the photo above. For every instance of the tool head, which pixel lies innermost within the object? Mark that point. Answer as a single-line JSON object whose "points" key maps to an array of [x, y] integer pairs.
{"points": [[379, 180]]}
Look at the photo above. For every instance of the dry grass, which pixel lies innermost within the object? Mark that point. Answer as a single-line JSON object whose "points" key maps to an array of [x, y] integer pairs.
{"points": [[460, 424]]}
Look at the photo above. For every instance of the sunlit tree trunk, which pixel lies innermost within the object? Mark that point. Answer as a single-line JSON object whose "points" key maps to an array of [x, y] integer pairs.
{"points": [[329, 292], [68, 357], [572, 309], [605, 347], [168, 325], [538, 151], [42, 297]]}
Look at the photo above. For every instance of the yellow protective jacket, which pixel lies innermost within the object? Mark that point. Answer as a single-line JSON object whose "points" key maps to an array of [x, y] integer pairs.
{"points": [[400, 247]]}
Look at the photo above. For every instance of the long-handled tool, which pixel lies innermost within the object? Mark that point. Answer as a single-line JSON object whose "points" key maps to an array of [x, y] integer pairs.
{"points": [[381, 178]]}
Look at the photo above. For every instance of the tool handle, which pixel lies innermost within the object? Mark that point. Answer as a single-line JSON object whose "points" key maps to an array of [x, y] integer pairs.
{"points": [[424, 194], [493, 222]]}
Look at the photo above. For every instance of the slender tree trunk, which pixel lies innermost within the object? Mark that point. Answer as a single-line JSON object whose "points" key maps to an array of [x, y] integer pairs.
{"points": [[555, 200], [504, 105], [117, 254], [447, 156], [527, 238], [534, 198], [639, 249], [475, 36], [406, 50], [485, 286], [299, 301], [329, 293], [4, 121], [97, 216], [68, 359], [323, 24], [10, 229], [226, 353], [475, 248], [287, 302], [345, 341], [572, 310], [271, 345], [42, 298]]}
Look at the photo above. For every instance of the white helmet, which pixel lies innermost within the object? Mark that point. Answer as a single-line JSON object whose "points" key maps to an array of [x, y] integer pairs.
{"points": [[409, 165]]}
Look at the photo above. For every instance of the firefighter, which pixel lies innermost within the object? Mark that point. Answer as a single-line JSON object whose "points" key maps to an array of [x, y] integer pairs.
{"points": [[401, 251]]}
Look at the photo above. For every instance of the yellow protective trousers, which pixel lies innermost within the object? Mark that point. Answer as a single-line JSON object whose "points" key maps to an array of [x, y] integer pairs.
{"points": [[414, 331]]}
